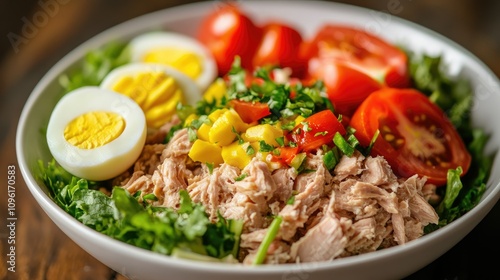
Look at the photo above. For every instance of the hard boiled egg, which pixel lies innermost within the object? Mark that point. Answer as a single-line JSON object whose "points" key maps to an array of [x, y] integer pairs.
{"points": [[179, 51], [96, 134], [156, 88]]}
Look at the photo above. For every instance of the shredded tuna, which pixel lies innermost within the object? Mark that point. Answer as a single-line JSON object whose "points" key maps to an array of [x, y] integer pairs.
{"points": [[359, 207], [158, 136], [325, 241]]}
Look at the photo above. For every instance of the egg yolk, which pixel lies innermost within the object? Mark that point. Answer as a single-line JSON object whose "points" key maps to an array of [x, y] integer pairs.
{"points": [[185, 61], [156, 93], [94, 129]]}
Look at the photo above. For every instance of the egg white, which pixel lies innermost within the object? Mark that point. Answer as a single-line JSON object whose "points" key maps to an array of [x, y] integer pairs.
{"points": [[141, 44], [108, 160], [191, 91]]}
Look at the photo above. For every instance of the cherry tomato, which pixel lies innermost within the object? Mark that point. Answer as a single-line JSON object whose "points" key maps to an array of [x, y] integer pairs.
{"points": [[250, 111], [415, 135], [346, 87], [316, 130], [280, 46], [362, 51], [228, 32]]}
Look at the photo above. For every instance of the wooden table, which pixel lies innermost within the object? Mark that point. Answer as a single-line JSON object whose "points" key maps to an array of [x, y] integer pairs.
{"points": [[44, 252]]}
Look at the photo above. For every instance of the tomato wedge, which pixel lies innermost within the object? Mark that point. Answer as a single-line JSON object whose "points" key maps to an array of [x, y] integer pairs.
{"points": [[250, 111], [346, 87], [280, 46], [316, 130], [362, 51], [415, 136], [228, 32]]}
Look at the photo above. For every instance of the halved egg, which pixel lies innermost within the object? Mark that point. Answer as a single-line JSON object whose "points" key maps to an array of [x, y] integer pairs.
{"points": [[156, 88], [96, 134], [179, 51]]}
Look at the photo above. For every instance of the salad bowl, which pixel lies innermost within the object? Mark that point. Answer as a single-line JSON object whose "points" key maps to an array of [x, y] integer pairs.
{"points": [[136, 263]]}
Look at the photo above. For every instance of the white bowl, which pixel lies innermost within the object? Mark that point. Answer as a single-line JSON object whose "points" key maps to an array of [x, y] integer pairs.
{"points": [[391, 263]]}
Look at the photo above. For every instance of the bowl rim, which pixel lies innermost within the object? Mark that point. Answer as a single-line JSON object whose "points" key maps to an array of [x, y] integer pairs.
{"points": [[140, 23]]}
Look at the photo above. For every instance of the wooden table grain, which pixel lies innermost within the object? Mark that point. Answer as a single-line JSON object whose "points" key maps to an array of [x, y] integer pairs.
{"points": [[44, 252]]}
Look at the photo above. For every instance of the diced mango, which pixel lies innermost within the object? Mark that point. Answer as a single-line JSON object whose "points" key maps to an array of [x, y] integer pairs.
{"points": [[236, 154], [224, 128], [265, 132], [203, 131], [204, 152], [216, 91], [216, 114], [299, 119], [190, 119]]}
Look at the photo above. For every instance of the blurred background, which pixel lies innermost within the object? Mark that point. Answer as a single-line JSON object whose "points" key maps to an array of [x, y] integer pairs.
{"points": [[35, 34]]}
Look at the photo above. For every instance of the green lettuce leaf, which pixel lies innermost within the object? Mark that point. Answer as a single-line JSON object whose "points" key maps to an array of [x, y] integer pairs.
{"points": [[154, 228]]}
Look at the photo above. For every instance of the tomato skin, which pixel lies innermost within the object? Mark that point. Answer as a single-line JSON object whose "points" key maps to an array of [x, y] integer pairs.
{"points": [[322, 127], [250, 111], [280, 46], [346, 87], [362, 51], [415, 135], [228, 32]]}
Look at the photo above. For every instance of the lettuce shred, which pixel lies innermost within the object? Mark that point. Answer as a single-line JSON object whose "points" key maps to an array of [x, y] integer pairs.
{"points": [[95, 66]]}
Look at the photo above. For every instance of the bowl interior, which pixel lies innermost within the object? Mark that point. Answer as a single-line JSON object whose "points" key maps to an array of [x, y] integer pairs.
{"points": [[32, 146]]}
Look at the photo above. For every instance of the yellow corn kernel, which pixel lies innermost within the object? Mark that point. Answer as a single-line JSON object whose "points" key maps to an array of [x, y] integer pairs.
{"points": [[265, 132], [202, 132], [216, 114], [236, 154], [216, 91], [204, 152], [224, 128]]}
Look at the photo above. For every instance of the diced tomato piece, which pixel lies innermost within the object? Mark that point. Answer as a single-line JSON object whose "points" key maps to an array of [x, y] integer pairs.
{"points": [[286, 154], [316, 130], [250, 111]]}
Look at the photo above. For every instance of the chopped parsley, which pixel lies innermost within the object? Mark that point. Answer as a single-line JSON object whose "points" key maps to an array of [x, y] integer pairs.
{"points": [[304, 101]]}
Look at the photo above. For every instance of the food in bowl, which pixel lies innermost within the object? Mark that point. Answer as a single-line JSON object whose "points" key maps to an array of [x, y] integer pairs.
{"points": [[264, 166]]}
